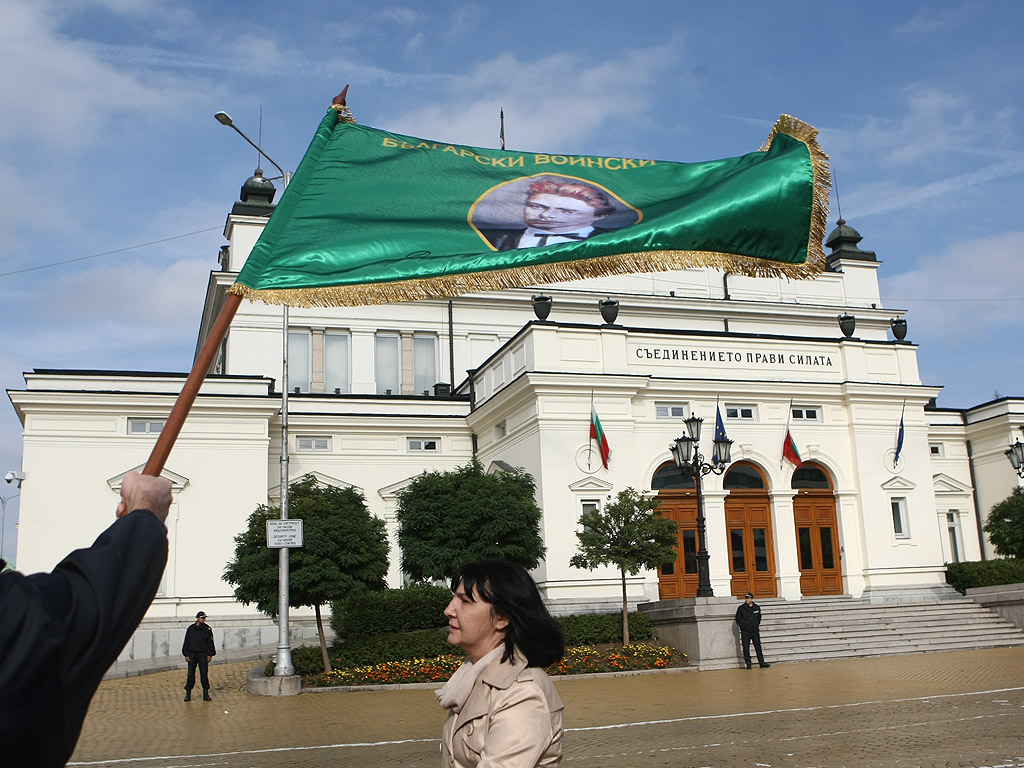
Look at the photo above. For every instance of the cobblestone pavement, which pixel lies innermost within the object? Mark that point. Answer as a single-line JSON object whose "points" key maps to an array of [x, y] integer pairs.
{"points": [[962, 708]]}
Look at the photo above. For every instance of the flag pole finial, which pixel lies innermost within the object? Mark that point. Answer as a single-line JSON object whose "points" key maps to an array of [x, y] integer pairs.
{"points": [[340, 105]]}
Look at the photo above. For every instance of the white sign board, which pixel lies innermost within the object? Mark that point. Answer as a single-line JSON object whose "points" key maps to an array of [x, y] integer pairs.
{"points": [[284, 533]]}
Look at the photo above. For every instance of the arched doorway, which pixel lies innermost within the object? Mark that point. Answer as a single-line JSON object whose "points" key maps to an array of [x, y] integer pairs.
{"points": [[678, 502], [817, 532], [748, 521]]}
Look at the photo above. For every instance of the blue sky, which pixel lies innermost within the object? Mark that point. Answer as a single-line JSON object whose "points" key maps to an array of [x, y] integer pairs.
{"points": [[107, 141]]}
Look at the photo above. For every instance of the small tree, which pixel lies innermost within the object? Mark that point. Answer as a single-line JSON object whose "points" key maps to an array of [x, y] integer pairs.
{"points": [[1005, 525], [345, 550], [447, 519], [629, 534]]}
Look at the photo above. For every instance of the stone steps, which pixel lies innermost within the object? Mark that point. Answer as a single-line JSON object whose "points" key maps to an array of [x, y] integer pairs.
{"points": [[835, 628]]}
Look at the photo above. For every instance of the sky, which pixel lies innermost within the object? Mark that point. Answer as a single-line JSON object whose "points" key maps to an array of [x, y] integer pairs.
{"points": [[116, 179]]}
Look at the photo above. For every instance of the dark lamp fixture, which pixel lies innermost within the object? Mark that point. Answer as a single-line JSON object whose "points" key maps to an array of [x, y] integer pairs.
{"points": [[847, 324], [224, 118], [899, 328], [1015, 453], [541, 306], [723, 451], [693, 427], [609, 310], [682, 450]]}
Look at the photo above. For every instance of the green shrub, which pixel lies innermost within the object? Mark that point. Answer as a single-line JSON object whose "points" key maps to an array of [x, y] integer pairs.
{"points": [[306, 659], [390, 610], [596, 628], [984, 573], [392, 646]]}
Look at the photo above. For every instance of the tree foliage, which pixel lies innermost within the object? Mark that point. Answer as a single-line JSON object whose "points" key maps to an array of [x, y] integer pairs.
{"points": [[1005, 525], [629, 534], [345, 550], [451, 518]]}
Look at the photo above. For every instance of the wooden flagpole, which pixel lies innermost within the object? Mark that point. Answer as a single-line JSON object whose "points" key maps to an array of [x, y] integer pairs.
{"points": [[201, 367]]}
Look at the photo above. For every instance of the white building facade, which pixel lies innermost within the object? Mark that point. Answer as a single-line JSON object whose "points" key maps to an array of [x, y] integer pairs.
{"points": [[514, 390]]}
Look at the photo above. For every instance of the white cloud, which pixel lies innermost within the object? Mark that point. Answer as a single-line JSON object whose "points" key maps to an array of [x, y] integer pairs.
{"points": [[551, 103], [965, 293]]}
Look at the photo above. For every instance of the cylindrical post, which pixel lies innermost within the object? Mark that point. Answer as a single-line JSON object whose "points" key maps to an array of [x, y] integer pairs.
{"points": [[283, 663], [703, 573]]}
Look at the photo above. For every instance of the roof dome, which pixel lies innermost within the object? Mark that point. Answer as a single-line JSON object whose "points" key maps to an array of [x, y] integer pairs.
{"points": [[258, 189], [843, 242]]}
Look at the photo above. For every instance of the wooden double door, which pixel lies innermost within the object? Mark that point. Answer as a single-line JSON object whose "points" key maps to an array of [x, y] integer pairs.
{"points": [[817, 543], [748, 522]]}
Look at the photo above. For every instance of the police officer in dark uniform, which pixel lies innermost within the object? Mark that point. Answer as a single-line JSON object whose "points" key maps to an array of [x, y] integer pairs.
{"points": [[198, 650], [748, 616]]}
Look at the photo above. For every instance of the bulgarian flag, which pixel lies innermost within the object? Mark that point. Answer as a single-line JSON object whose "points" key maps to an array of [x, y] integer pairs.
{"points": [[372, 217], [789, 451], [597, 433]]}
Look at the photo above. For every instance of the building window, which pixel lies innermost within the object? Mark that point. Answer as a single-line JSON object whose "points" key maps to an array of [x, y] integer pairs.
{"points": [[669, 411], [299, 361], [953, 532], [738, 411], [424, 445], [936, 449], [387, 363], [805, 413], [899, 518], [313, 443], [424, 363], [589, 505], [145, 426], [336, 362]]}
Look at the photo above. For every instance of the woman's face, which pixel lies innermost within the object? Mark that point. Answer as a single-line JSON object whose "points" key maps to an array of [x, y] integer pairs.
{"points": [[473, 625]]}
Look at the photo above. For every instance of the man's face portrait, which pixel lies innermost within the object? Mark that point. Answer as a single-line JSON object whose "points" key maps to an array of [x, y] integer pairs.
{"points": [[548, 209], [553, 213]]}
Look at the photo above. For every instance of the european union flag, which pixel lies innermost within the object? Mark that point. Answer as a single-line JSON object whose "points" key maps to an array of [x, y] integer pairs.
{"points": [[719, 426]]}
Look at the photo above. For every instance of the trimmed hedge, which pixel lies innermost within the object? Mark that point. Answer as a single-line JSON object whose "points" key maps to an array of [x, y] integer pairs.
{"points": [[390, 610], [597, 628], [392, 646], [984, 573]]}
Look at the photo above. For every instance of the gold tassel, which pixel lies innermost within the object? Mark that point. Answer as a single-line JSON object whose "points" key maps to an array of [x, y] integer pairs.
{"points": [[519, 277]]}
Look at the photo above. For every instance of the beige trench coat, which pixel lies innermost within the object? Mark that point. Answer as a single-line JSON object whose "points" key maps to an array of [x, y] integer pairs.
{"points": [[512, 719]]}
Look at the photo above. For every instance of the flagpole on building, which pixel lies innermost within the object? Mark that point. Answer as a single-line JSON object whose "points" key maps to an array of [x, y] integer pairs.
{"points": [[789, 414]]}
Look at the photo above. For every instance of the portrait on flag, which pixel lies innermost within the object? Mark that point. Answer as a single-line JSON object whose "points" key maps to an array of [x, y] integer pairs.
{"points": [[541, 210]]}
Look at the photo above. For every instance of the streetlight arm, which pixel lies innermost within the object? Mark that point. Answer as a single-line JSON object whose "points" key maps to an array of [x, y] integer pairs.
{"points": [[225, 119]]}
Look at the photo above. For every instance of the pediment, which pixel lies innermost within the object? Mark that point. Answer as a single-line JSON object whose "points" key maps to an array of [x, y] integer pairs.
{"points": [[391, 491], [947, 486], [898, 483], [321, 478], [500, 466], [590, 485], [178, 482]]}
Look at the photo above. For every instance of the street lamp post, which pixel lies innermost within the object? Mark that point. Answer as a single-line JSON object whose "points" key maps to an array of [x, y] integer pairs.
{"points": [[1015, 453], [283, 665], [687, 456]]}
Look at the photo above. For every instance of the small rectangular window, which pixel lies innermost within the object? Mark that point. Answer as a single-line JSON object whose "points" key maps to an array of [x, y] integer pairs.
{"points": [[145, 426], [936, 449], [803, 413], [319, 443], [589, 505], [669, 411], [899, 518], [299, 361], [743, 412], [426, 445]]}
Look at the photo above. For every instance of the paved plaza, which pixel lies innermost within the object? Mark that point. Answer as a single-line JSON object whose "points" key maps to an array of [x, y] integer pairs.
{"points": [[962, 708]]}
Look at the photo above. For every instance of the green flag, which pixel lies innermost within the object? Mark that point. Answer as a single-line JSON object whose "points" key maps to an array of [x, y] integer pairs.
{"points": [[373, 217]]}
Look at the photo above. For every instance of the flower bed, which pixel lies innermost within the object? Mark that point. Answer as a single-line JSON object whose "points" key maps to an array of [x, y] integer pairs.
{"points": [[577, 661]]}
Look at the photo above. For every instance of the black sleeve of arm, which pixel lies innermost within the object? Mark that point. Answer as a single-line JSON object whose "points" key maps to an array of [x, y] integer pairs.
{"points": [[78, 619]]}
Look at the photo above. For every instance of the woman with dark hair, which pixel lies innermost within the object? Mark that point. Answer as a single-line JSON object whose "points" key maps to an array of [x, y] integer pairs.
{"points": [[503, 709]]}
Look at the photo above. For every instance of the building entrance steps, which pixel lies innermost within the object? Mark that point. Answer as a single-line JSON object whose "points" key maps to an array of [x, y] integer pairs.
{"points": [[835, 628]]}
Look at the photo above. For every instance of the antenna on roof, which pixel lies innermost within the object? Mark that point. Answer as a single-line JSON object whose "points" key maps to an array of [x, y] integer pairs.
{"points": [[259, 141], [835, 186]]}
